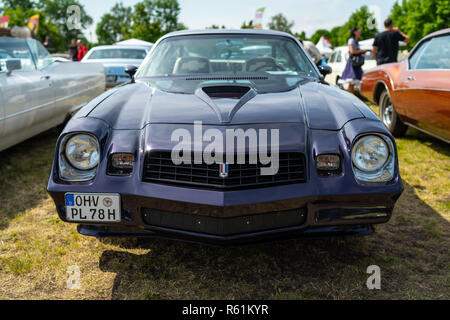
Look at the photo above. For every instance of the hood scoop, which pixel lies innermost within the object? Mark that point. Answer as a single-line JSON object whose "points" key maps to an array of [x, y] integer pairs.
{"points": [[225, 100], [231, 92]]}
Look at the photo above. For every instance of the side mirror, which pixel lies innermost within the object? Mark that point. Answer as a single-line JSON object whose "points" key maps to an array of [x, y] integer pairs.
{"points": [[325, 69], [131, 70], [12, 64]]}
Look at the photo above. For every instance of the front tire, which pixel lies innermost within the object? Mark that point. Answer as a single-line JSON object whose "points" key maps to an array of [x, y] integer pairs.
{"points": [[389, 116]]}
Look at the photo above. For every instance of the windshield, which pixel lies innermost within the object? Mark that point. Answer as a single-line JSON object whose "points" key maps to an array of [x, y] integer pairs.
{"points": [[118, 54], [225, 54]]}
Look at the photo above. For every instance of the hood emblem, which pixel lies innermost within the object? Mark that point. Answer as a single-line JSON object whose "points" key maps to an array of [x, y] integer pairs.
{"points": [[224, 170]]}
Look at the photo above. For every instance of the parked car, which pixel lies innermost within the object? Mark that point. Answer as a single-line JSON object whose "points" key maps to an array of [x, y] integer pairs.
{"points": [[139, 160], [338, 60], [416, 91], [115, 58], [38, 93]]}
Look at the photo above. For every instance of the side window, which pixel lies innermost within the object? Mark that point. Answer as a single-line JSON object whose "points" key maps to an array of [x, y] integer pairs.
{"points": [[339, 56], [434, 55], [333, 56], [41, 55], [13, 48]]}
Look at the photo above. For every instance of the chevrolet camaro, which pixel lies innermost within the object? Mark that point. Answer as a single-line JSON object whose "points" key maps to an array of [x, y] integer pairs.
{"points": [[212, 142]]}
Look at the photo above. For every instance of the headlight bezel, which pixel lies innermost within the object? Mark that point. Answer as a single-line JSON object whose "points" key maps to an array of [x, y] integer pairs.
{"points": [[67, 170], [385, 173]]}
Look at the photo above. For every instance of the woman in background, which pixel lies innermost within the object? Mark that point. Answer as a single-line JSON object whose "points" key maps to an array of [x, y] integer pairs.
{"points": [[353, 73]]}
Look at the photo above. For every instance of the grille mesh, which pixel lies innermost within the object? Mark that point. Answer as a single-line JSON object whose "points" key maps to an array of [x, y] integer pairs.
{"points": [[158, 167]]}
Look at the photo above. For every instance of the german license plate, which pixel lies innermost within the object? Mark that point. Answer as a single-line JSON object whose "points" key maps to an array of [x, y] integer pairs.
{"points": [[93, 207]]}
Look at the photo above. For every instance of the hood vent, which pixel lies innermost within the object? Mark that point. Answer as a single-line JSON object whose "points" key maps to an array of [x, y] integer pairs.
{"points": [[230, 92]]}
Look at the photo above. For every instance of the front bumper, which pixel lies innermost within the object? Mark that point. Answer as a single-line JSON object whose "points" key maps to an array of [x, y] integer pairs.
{"points": [[143, 216]]}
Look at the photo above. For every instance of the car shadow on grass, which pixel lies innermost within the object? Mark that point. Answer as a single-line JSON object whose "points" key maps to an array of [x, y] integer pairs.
{"points": [[24, 172], [411, 249], [436, 144]]}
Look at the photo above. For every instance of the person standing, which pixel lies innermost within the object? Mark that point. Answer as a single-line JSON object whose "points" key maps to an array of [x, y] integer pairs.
{"points": [[385, 45], [313, 51], [73, 50], [353, 69], [81, 50]]}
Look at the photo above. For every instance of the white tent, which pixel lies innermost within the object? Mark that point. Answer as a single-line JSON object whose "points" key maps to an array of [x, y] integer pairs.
{"points": [[134, 42], [324, 46]]}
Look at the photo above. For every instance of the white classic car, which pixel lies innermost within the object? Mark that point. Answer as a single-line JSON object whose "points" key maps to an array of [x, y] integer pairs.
{"points": [[338, 61], [115, 58], [38, 93]]}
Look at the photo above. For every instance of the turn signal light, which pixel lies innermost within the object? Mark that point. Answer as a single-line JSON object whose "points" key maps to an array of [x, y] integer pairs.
{"points": [[121, 164], [328, 162]]}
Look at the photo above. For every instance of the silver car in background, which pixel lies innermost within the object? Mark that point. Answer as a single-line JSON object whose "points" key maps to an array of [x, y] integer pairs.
{"points": [[115, 58], [38, 93]]}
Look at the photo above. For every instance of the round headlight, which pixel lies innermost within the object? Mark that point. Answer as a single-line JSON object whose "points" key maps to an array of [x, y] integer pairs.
{"points": [[370, 153], [82, 151]]}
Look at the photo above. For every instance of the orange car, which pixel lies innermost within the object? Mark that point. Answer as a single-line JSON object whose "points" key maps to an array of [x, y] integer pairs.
{"points": [[416, 91]]}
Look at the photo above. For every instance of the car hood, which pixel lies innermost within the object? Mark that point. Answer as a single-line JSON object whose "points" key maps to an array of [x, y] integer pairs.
{"points": [[316, 105]]}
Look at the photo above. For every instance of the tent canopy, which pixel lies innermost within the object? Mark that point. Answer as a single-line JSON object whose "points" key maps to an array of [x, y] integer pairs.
{"points": [[134, 42], [323, 46]]}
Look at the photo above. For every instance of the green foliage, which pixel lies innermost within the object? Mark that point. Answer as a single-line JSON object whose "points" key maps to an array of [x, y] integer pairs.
{"points": [[14, 4], [216, 27], [301, 35], [52, 19], [339, 35], [116, 25], [418, 18], [56, 10], [247, 26], [147, 20], [319, 33], [280, 22]]}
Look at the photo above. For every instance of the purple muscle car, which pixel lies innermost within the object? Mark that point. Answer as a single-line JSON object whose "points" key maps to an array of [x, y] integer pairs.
{"points": [[213, 142]]}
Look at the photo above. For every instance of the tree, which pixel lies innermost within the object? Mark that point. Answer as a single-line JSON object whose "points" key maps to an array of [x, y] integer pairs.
{"points": [[153, 19], [115, 25], [318, 34], [301, 35], [216, 27], [56, 11], [359, 18], [417, 18], [247, 26], [280, 22], [19, 17], [14, 4]]}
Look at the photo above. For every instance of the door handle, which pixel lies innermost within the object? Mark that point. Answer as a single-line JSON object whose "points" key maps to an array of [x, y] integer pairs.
{"points": [[47, 77], [411, 78]]}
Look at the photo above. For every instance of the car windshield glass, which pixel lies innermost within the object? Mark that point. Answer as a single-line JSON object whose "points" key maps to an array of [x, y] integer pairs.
{"points": [[118, 54], [13, 48], [227, 54]]}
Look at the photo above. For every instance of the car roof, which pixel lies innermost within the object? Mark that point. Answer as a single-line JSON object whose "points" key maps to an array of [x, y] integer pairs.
{"points": [[228, 31], [437, 33], [120, 47]]}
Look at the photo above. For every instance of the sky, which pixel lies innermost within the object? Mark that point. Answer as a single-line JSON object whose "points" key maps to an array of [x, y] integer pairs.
{"points": [[308, 15]]}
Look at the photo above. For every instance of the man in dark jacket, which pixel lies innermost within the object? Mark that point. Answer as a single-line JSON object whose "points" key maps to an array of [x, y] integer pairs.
{"points": [[73, 50], [385, 45]]}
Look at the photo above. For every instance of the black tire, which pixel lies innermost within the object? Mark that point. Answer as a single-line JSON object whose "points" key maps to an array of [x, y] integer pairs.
{"points": [[389, 116]]}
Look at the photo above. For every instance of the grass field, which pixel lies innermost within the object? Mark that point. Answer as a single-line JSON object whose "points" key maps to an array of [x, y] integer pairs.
{"points": [[412, 250]]}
